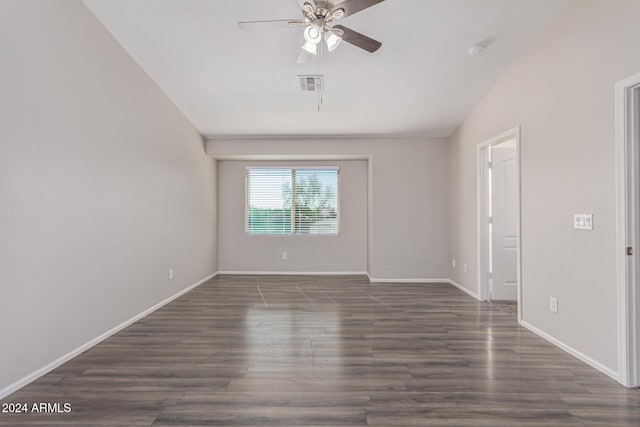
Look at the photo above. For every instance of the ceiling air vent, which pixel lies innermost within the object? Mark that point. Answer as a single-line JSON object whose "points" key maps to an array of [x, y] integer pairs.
{"points": [[312, 83]]}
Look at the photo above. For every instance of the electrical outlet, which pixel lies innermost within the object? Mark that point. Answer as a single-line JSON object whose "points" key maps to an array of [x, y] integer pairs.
{"points": [[453, 263], [553, 304], [465, 268], [285, 256], [171, 274]]}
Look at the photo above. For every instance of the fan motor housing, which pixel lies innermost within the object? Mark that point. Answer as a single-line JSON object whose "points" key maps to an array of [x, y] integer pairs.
{"points": [[322, 10]]}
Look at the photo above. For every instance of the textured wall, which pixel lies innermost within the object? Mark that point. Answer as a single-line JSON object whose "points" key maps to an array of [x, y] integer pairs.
{"points": [[562, 94], [408, 212], [104, 186]]}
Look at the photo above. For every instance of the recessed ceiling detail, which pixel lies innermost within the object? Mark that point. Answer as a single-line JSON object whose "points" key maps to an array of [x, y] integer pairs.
{"points": [[231, 82]]}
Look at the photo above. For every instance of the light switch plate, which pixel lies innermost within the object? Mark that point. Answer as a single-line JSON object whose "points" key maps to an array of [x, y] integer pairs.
{"points": [[583, 221]]}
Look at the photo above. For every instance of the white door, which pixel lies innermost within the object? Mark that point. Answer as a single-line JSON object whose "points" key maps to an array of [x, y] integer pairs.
{"points": [[504, 211]]}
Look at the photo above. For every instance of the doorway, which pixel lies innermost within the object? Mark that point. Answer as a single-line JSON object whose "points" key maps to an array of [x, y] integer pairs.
{"points": [[628, 228], [499, 221]]}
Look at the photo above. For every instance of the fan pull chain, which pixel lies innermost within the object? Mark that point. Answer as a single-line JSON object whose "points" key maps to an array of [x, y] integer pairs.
{"points": [[320, 92]]}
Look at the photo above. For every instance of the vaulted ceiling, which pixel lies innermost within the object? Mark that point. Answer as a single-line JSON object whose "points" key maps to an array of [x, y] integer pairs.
{"points": [[231, 82]]}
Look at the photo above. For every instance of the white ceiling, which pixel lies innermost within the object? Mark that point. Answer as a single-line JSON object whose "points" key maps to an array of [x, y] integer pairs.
{"points": [[231, 82]]}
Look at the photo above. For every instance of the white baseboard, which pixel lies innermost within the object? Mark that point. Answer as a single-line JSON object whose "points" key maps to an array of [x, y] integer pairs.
{"points": [[84, 347], [294, 273], [575, 353], [405, 280], [463, 289]]}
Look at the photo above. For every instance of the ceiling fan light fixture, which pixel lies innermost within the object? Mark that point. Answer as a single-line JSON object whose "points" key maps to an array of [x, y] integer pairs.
{"points": [[304, 56], [317, 19], [311, 48], [312, 34], [312, 37], [332, 40]]}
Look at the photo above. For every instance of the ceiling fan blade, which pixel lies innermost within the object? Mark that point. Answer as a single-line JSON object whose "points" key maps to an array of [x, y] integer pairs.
{"points": [[357, 39], [354, 6], [275, 24]]}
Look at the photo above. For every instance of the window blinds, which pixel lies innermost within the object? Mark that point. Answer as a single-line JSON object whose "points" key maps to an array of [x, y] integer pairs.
{"points": [[292, 201]]}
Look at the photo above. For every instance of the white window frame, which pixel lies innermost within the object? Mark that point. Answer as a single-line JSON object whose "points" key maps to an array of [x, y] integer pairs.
{"points": [[293, 233]]}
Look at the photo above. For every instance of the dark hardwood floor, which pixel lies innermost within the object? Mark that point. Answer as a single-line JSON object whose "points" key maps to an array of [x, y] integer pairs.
{"points": [[316, 351]]}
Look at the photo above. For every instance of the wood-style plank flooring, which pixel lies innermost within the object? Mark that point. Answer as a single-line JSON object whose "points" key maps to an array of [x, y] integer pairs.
{"points": [[327, 351]]}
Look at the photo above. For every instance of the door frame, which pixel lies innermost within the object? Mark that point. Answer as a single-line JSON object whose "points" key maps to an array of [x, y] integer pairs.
{"points": [[627, 143], [482, 214]]}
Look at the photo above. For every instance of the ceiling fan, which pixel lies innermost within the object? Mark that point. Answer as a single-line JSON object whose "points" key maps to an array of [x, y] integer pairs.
{"points": [[318, 17]]}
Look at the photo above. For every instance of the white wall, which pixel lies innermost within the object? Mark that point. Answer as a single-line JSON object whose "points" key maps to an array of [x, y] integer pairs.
{"points": [[346, 253], [408, 212], [104, 185], [562, 93]]}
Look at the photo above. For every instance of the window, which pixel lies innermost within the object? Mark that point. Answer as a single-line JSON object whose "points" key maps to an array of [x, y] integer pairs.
{"points": [[301, 201]]}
